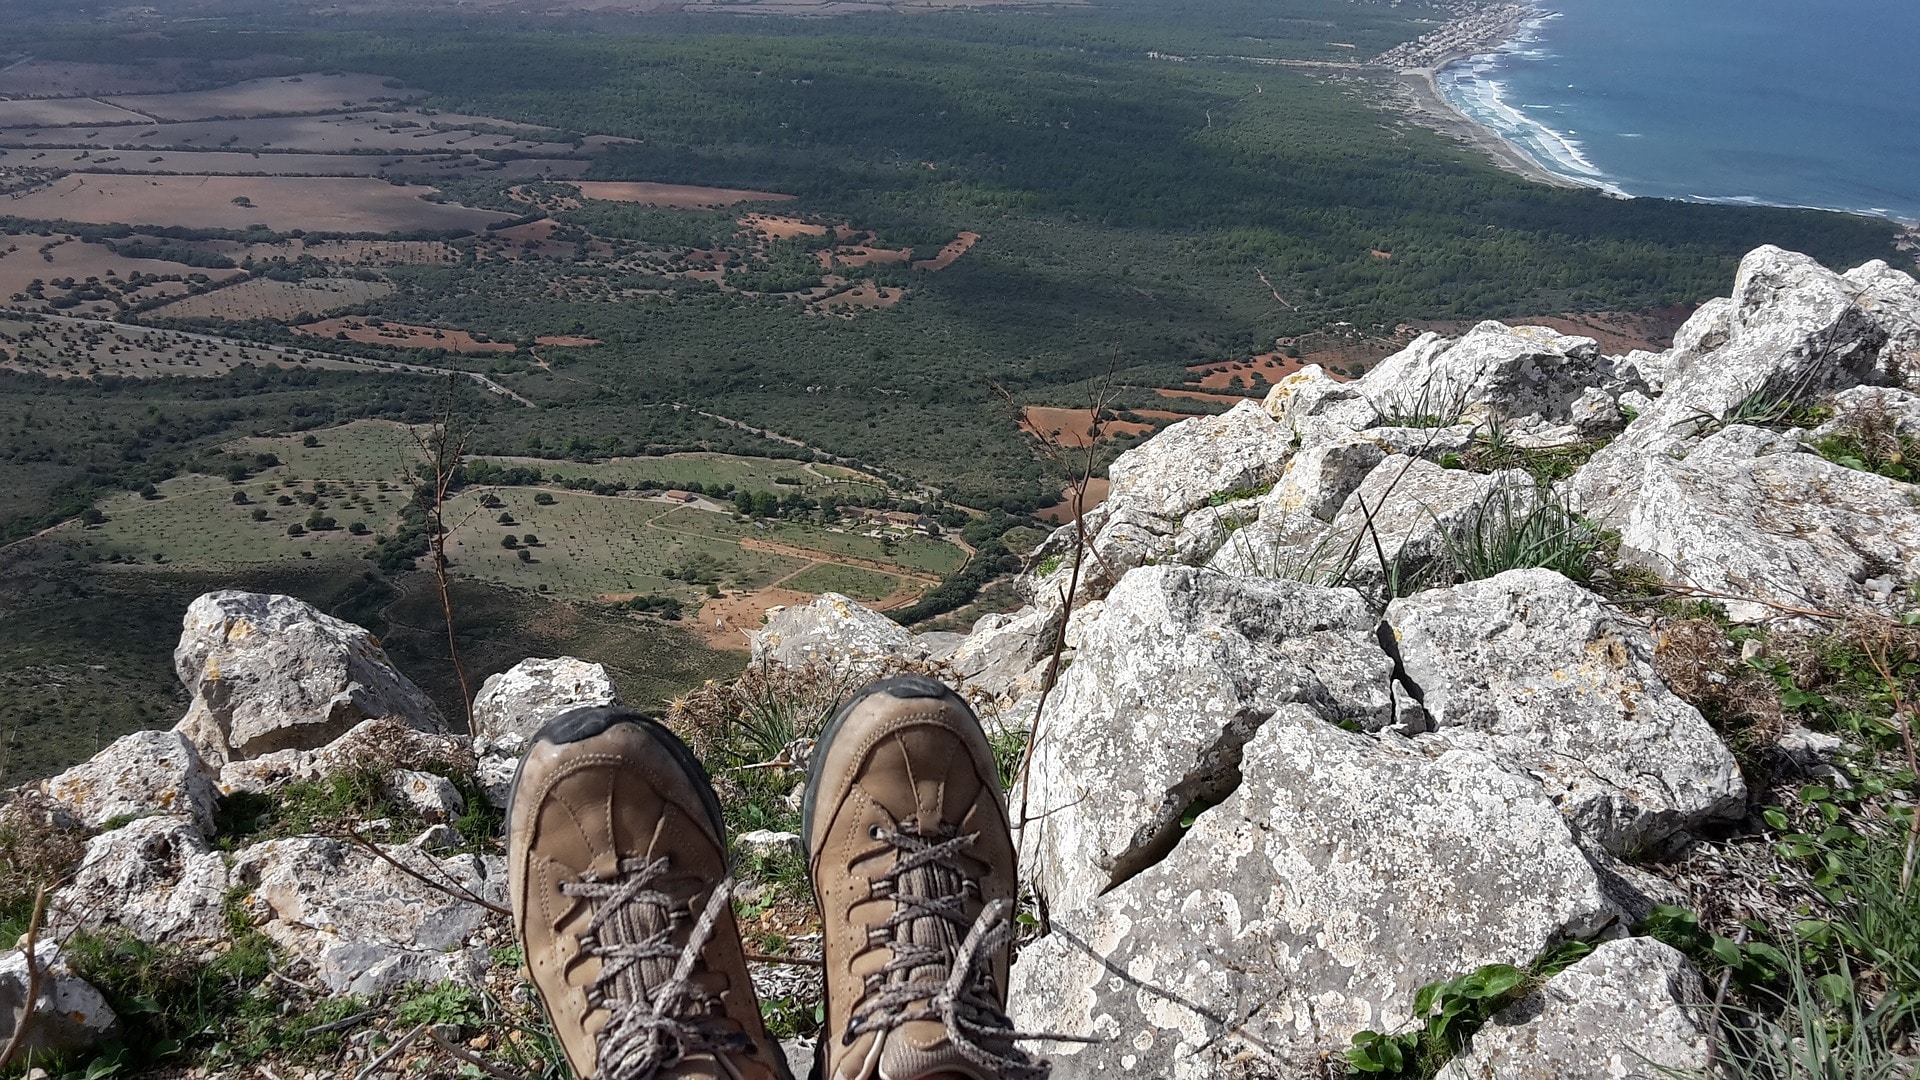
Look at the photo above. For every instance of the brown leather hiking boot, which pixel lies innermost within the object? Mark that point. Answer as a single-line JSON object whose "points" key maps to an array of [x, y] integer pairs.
{"points": [[617, 865], [913, 867]]}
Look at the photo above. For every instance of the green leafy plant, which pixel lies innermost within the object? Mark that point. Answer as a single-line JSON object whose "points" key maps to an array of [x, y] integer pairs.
{"points": [[1447, 1014]]}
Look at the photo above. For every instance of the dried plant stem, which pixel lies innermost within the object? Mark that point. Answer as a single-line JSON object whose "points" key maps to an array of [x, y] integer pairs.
{"points": [[456, 891], [443, 448], [392, 1052], [28, 1013]]}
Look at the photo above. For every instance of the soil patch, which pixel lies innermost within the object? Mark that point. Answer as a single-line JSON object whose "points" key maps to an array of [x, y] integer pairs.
{"points": [[282, 203], [1266, 368], [1202, 395], [780, 228], [1062, 512], [865, 296], [673, 196], [1073, 428], [723, 623], [63, 112], [959, 246], [567, 341], [402, 335]]}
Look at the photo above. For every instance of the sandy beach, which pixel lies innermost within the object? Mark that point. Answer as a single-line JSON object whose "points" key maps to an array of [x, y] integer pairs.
{"points": [[1418, 63]]}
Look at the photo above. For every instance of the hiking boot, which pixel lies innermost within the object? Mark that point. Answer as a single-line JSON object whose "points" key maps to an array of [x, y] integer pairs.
{"points": [[617, 865], [913, 867]]}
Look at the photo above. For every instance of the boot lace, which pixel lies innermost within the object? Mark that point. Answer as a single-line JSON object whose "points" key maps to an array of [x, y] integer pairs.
{"points": [[929, 977], [650, 1027]]}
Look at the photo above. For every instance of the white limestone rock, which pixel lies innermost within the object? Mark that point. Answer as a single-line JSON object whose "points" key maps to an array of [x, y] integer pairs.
{"points": [[1181, 666], [430, 795], [1309, 400], [156, 878], [1341, 875], [272, 673], [1186, 464], [1892, 298], [1633, 1009], [1749, 514], [1322, 474], [68, 1013], [364, 925], [515, 704], [147, 772], [1514, 374], [1537, 672], [832, 633]]}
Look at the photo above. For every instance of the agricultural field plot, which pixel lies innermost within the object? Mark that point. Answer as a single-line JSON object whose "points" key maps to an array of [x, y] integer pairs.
{"points": [[255, 163], [265, 298], [854, 581], [63, 349], [393, 131], [91, 277], [62, 112], [401, 335], [312, 92], [589, 546], [873, 546], [712, 472], [74, 78], [282, 203], [675, 196], [369, 253], [195, 524], [368, 450]]}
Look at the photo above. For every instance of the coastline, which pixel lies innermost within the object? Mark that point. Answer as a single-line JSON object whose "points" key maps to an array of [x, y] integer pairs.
{"points": [[1417, 66]]}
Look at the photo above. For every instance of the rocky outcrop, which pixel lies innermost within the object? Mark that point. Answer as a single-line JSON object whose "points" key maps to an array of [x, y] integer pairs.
{"points": [[157, 878], [831, 633], [68, 1013], [1633, 1009], [147, 772], [1343, 873], [364, 924], [271, 673], [515, 704], [1533, 670]]}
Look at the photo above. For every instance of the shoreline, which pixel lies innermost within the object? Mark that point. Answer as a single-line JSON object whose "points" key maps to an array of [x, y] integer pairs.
{"points": [[1417, 67]]}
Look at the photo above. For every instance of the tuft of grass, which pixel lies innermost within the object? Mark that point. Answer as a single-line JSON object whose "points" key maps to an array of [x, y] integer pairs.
{"points": [[1435, 403], [1511, 530]]}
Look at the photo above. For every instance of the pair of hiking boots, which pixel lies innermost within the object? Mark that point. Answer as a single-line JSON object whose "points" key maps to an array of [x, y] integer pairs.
{"points": [[619, 878]]}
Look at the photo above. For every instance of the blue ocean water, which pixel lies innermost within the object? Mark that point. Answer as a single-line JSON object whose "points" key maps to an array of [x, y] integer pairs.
{"points": [[1784, 102]]}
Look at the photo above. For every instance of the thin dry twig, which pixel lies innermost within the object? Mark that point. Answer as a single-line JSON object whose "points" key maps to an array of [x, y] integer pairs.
{"points": [[457, 891], [474, 1059], [392, 1052], [444, 446], [343, 1023], [29, 1013], [1719, 1003]]}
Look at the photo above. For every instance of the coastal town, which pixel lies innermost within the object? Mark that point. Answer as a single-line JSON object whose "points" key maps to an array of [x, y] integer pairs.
{"points": [[1476, 27]]}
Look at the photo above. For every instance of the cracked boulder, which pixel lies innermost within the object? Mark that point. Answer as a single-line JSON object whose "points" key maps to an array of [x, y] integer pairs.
{"points": [[1182, 467], [271, 673], [1409, 514], [1633, 1009], [1892, 298], [1752, 515], [1535, 671], [1344, 872], [1180, 667], [147, 772], [364, 925], [156, 878]]}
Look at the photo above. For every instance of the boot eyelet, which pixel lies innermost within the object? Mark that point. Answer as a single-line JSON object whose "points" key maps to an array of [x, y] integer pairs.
{"points": [[873, 832]]}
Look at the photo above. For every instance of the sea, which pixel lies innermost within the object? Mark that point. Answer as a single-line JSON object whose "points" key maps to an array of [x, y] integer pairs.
{"points": [[1810, 103]]}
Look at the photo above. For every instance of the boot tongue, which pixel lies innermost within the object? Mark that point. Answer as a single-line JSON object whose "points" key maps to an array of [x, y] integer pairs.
{"points": [[922, 1048], [630, 925]]}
